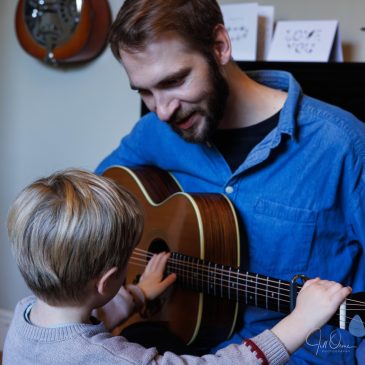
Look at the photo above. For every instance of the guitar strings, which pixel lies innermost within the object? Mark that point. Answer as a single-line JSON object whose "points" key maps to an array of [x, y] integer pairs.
{"points": [[200, 280], [181, 267], [248, 285], [146, 254], [263, 281], [336, 316], [259, 280]]}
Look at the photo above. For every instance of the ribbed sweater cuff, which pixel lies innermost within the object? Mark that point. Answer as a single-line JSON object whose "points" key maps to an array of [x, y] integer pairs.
{"points": [[138, 296], [272, 347]]}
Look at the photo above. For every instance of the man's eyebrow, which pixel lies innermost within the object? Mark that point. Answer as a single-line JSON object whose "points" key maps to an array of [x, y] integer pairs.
{"points": [[177, 76], [168, 80]]}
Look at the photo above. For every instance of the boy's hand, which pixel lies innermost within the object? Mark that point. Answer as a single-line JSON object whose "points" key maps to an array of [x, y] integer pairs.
{"points": [[318, 300], [151, 282]]}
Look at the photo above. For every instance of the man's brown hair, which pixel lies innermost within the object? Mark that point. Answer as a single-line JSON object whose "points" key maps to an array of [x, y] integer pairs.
{"points": [[69, 228], [142, 21]]}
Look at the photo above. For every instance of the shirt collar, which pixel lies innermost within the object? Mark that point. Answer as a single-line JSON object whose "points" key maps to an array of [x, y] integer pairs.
{"points": [[285, 81]]}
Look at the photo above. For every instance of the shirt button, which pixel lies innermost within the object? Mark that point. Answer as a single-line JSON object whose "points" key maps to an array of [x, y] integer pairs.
{"points": [[229, 189]]}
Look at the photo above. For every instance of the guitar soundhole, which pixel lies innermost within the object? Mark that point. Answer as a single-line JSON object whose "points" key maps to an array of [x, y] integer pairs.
{"points": [[158, 245]]}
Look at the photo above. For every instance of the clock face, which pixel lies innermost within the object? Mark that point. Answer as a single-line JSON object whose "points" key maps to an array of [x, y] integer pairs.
{"points": [[51, 23]]}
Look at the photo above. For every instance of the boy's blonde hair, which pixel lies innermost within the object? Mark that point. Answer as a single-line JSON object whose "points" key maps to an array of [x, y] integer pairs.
{"points": [[69, 228]]}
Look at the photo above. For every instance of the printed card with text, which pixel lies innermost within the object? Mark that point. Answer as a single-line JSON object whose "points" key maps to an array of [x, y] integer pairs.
{"points": [[241, 22], [302, 40]]}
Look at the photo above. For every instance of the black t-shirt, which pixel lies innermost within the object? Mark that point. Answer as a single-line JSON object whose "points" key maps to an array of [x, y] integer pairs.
{"points": [[235, 144]]}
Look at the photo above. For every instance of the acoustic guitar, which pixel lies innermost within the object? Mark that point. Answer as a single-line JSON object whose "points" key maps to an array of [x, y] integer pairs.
{"points": [[63, 31], [200, 231]]}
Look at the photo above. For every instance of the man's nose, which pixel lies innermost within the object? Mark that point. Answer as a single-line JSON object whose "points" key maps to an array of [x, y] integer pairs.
{"points": [[166, 107]]}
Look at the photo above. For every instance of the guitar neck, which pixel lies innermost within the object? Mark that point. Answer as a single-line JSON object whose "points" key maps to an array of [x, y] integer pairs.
{"points": [[227, 282]]}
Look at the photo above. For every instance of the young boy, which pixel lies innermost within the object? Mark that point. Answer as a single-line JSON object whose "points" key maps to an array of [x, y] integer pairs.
{"points": [[72, 234]]}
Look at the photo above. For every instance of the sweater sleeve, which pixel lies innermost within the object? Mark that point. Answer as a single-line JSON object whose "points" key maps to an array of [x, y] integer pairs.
{"points": [[121, 307], [267, 345], [263, 349]]}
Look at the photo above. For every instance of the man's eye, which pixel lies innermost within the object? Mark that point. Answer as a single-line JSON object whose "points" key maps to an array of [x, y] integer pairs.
{"points": [[175, 82], [143, 92]]}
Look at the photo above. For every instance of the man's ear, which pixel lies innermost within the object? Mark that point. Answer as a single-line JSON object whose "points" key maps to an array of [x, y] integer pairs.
{"points": [[104, 282], [222, 45]]}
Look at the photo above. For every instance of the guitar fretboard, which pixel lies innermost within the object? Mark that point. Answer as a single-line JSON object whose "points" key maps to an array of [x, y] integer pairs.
{"points": [[227, 282]]}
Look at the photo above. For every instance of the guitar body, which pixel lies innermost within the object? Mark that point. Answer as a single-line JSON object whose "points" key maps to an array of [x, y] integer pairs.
{"points": [[203, 226], [63, 31]]}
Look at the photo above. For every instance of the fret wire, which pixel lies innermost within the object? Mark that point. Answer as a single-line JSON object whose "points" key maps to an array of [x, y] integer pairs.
{"points": [[192, 280], [256, 290], [202, 288], [237, 285], [222, 285], [229, 280], [214, 271], [196, 272], [279, 296], [186, 276], [192, 276], [246, 286], [209, 277]]}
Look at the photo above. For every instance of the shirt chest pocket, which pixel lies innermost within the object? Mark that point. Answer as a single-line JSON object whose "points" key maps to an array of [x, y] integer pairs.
{"points": [[282, 238]]}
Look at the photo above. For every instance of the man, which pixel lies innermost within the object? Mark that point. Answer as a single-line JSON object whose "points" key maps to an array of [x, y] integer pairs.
{"points": [[292, 166]]}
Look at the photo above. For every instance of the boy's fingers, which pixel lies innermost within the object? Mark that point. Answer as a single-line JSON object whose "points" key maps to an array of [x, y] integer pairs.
{"points": [[153, 262], [344, 292], [156, 264], [334, 288], [161, 261], [310, 282], [164, 284]]}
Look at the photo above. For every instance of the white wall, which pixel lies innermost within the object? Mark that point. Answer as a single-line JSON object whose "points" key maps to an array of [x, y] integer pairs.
{"points": [[52, 118]]}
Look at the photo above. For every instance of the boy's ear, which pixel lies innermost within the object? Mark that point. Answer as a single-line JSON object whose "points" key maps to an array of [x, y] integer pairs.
{"points": [[104, 281], [222, 45]]}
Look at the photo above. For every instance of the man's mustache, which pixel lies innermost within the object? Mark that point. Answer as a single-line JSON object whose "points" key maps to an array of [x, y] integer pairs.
{"points": [[181, 116]]}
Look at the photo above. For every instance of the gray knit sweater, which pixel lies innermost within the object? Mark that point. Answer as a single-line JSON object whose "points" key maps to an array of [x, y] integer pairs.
{"points": [[89, 344]]}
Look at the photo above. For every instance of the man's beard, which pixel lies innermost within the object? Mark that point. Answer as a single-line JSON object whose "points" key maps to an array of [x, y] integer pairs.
{"points": [[216, 103]]}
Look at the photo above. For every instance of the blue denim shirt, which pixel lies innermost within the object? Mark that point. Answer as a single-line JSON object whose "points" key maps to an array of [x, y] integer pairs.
{"points": [[300, 194]]}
